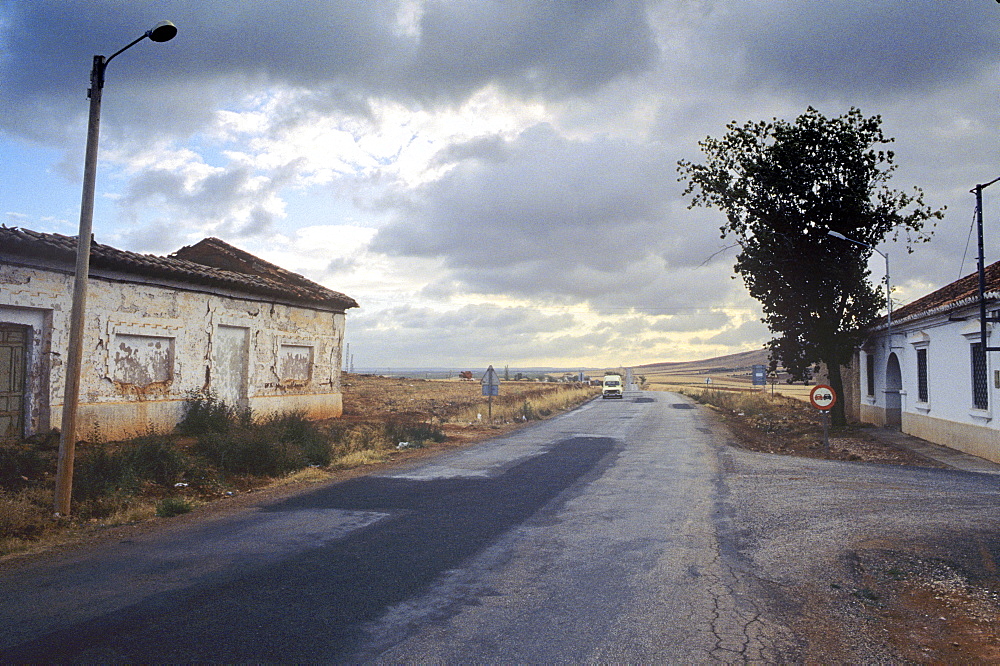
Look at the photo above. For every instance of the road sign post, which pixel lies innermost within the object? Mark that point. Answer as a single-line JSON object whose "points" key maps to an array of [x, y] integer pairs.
{"points": [[491, 387], [823, 398]]}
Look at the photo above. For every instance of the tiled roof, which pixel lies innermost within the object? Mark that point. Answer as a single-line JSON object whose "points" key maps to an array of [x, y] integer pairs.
{"points": [[960, 293], [211, 262]]}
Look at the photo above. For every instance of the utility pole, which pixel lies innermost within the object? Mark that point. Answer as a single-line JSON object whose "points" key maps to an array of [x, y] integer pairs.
{"points": [[162, 32], [983, 319]]}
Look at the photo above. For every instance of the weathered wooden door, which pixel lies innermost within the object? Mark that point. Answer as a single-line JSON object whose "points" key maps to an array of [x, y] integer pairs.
{"points": [[230, 374], [13, 343]]}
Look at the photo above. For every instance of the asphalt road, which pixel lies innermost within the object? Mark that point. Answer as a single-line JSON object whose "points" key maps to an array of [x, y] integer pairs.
{"points": [[626, 531]]}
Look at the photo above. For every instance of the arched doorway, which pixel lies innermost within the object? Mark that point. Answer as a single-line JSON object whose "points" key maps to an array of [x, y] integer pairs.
{"points": [[893, 401]]}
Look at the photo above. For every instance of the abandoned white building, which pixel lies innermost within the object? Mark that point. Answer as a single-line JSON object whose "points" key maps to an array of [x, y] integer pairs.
{"points": [[208, 317], [933, 379]]}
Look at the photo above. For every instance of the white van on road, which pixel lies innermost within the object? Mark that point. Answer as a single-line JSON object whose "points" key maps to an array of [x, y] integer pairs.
{"points": [[612, 386]]}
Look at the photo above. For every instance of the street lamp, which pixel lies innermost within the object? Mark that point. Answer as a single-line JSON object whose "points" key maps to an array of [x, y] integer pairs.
{"points": [[161, 32], [978, 191], [888, 296]]}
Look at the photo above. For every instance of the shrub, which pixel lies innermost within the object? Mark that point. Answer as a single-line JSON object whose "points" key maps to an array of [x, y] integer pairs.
{"points": [[413, 432], [102, 472], [250, 452], [528, 411], [25, 515], [20, 465], [155, 458], [294, 429], [107, 470], [204, 412], [173, 506]]}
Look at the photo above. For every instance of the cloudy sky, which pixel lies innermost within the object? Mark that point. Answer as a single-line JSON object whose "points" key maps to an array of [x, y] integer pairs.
{"points": [[493, 180]]}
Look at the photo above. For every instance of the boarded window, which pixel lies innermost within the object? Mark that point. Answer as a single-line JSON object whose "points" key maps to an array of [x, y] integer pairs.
{"points": [[922, 392], [142, 360], [231, 365], [295, 362]]}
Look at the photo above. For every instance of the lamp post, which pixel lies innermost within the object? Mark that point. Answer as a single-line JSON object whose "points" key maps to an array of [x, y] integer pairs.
{"points": [[888, 296], [161, 32], [981, 268]]}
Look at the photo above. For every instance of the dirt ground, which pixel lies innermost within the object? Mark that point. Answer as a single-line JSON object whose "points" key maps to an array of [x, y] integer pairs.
{"points": [[937, 603], [798, 432]]}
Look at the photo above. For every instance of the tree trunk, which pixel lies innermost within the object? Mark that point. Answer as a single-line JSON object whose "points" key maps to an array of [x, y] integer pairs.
{"points": [[837, 384]]}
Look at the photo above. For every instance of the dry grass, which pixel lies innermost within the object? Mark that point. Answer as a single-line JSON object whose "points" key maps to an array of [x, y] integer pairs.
{"points": [[789, 426], [527, 405], [362, 458], [450, 400], [694, 384], [307, 475]]}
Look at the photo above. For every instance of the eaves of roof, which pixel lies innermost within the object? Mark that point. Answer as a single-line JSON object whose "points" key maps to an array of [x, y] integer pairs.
{"points": [[275, 283], [959, 294], [989, 296]]}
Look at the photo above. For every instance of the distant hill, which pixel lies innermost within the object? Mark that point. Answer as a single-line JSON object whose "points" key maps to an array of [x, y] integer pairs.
{"points": [[743, 361]]}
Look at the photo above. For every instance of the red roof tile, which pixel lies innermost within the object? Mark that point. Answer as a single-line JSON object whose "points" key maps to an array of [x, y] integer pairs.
{"points": [[960, 292]]}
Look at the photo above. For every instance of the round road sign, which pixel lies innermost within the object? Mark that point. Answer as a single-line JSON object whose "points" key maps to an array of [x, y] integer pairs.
{"points": [[822, 397]]}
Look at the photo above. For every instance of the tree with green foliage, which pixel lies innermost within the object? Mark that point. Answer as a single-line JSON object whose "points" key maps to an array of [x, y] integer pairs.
{"points": [[783, 187]]}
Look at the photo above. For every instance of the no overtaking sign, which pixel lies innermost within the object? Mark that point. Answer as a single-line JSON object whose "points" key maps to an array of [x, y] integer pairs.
{"points": [[822, 397]]}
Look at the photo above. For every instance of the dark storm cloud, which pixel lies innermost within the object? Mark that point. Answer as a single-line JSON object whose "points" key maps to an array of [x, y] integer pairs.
{"points": [[849, 48], [538, 47], [335, 52]]}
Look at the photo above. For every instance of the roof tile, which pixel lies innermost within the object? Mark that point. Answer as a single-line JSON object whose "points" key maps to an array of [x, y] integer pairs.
{"points": [[210, 262]]}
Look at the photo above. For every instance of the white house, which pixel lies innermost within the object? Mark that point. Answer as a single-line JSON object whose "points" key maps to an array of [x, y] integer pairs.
{"points": [[208, 317], [931, 378]]}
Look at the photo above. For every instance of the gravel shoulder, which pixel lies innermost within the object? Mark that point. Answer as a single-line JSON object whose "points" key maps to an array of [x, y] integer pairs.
{"points": [[926, 589]]}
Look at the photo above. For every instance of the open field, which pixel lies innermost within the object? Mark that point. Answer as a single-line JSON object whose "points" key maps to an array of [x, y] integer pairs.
{"points": [[458, 406], [731, 372], [696, 383]]}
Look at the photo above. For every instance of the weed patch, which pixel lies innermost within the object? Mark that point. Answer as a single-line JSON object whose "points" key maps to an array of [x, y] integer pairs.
{"points": [[173, 506], [23, 516], [529, 405]]}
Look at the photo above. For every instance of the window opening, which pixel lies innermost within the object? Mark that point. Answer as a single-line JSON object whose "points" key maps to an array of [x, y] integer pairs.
{"points": [[922, 392], [980, 387]]}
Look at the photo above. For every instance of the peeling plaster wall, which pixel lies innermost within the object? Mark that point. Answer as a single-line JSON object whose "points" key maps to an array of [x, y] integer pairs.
{"points": [[148, 345], [948, 416]]}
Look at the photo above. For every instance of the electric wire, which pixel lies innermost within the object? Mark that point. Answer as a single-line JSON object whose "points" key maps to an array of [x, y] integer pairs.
{"points": [[968, 239]]}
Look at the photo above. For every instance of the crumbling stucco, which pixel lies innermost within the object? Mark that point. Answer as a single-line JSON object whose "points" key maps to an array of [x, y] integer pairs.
{"points": [[147, 346]]}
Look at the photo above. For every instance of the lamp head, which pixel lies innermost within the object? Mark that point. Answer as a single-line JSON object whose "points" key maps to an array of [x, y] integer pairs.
{"points": [[163, 31], [837, 234]]}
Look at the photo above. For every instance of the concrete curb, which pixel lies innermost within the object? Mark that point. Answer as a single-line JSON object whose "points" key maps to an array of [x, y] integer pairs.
{"points": [[942, 454]]}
